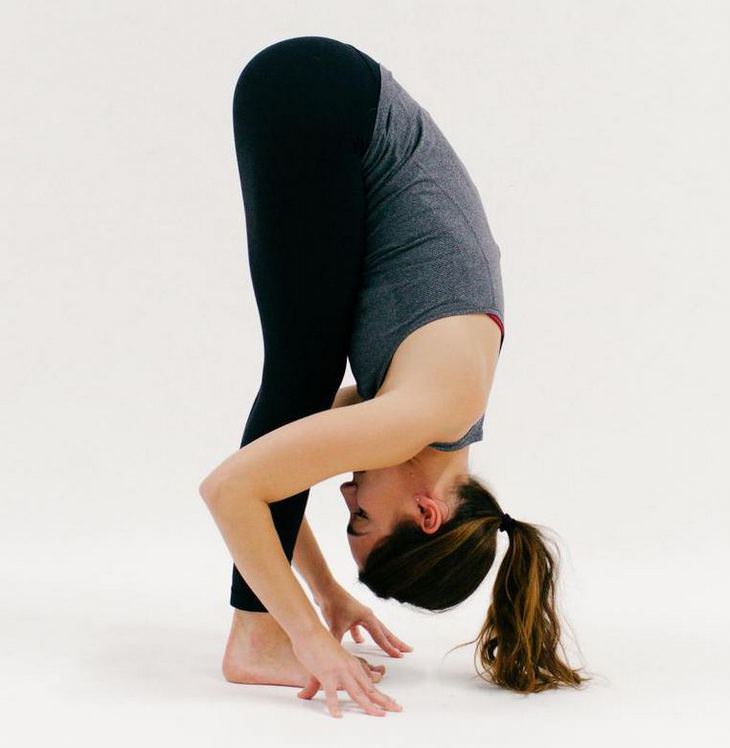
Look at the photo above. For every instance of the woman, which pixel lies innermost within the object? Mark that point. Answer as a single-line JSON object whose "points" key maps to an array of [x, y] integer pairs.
{"points": [[366, 238]]}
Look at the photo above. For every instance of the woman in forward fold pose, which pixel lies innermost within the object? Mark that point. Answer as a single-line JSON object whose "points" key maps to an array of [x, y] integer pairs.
{"points": [[368, 239]]}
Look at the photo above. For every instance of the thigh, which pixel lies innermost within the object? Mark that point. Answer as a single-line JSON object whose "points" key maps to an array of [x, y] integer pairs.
{"points": [[303, 113]]}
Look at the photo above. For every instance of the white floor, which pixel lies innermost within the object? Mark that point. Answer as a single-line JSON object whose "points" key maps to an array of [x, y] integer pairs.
{"points": [[103, 648]]}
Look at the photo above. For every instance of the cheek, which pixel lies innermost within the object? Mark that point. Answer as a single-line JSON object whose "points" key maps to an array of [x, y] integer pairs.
{"points": [[368, 497], [375, 502]]}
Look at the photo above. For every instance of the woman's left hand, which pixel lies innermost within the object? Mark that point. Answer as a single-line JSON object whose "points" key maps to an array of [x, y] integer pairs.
{"points": [[343, 612]]}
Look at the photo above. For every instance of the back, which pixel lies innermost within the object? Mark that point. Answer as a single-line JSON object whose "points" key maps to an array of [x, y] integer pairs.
{"points": [[429, 249]]}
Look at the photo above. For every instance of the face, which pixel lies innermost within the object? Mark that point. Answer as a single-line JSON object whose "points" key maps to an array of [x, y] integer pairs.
{"points": [[379, 499]]}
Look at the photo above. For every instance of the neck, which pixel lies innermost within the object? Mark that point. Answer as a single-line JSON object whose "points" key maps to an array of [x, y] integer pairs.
{"points": [[437, 470]]}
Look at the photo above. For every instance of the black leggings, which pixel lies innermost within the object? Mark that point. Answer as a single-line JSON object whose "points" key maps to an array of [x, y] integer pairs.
{"points": [[303, 115]]}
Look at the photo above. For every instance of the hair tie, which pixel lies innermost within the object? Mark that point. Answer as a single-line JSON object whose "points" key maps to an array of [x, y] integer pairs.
{"points": [[507, 523]]}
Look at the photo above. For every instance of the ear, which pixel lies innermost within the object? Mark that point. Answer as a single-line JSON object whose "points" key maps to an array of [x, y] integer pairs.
{"points": [[431, 513]]}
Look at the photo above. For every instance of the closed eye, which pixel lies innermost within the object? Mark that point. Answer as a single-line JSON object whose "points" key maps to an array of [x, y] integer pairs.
{"points": [[350, 530]]}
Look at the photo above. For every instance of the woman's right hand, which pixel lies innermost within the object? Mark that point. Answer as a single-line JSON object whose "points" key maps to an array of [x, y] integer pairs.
{"points": [[332, 666]]}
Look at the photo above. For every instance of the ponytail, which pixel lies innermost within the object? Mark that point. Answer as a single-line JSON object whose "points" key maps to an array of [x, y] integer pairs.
{"points": [[518, 644]]}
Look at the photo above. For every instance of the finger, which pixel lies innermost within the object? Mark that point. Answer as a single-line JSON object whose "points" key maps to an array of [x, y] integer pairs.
{"points": [[377, 631], [393, 638], [379, 698], [379, 668], [333, 703], [309, 689], [374, 676], [370, 669], [356, 634], [361, 695], [366, 665]]}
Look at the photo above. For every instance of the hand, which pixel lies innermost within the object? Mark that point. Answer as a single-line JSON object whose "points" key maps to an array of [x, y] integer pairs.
{"points": [[331, 666], [342, 612]]}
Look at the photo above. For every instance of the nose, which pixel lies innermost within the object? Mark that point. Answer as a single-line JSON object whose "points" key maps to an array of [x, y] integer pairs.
{"points": [[349, 492]]}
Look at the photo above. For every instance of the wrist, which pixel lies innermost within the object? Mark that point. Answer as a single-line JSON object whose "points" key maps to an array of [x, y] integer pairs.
{"points": [[305, 633], [325, 588]]}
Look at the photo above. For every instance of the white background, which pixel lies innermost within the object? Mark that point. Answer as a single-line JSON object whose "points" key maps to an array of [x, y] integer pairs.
{"points": [[596, 133]]}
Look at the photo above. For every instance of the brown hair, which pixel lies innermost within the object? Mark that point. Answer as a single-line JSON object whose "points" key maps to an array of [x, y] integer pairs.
{"points": [[519, 640]]}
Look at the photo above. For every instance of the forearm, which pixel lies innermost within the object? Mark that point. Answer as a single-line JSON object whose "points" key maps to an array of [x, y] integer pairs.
{"points": [[310, 562], [243, 516], [249, 532], [308, 558]]}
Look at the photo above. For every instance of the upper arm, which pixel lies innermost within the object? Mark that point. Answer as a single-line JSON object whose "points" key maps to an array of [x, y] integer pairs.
{"points": [[383, 431]]}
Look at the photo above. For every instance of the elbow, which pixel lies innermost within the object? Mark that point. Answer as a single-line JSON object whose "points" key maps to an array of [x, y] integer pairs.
{"points": [[219, 490], [210, 489]]}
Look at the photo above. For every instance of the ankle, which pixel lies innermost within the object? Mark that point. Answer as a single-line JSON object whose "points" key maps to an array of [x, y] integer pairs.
{"points": [[250, 617], [246, 622]]}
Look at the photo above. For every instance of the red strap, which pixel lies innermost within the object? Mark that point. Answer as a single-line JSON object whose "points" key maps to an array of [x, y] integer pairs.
{"points": [[499, 322]]}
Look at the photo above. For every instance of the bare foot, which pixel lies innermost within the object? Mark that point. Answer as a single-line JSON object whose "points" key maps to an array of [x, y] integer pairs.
{"points": [[258, 651]]}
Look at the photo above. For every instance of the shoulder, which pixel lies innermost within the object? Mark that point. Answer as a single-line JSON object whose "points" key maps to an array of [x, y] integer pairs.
{"points": [[448, 365]]}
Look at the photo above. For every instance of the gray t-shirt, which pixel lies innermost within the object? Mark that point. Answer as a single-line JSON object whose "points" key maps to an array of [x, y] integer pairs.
{"points": [[429, 249]]}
